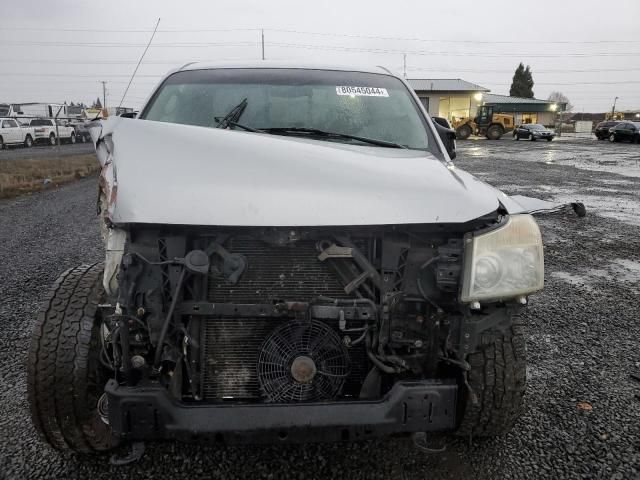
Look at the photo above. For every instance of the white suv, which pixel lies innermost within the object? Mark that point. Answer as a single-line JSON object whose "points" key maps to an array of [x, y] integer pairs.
{"points": [[12, 133], [45, 130]]}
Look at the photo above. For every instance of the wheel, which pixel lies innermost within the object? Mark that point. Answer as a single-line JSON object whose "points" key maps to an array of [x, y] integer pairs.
{"points": [[531, 137], [65, 379], [52, 139], [463, 132], [28, 141], [1, 144], [73, 138], [498, 380], [549, 139], [612, 138], [494, 132], [516, 136]]}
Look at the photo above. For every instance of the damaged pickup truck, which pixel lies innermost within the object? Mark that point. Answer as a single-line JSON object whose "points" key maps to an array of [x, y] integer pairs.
{"points": [[290, 256]]}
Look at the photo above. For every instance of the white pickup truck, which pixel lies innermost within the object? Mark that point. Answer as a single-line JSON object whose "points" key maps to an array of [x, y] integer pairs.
{"points": [[45, 131], [12, 133]]}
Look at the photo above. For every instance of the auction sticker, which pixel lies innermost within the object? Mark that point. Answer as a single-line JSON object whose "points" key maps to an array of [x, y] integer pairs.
{"points": [[362, 91]]}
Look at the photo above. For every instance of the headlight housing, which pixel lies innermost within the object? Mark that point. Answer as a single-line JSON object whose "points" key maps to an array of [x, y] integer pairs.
{"points": [[504, 263]]}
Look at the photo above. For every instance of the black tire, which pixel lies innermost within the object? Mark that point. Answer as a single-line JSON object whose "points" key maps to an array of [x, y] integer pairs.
{"points": [[1, 143], [52, 139], [516, 136], [28, 141], [549, 139], [498, 379], [64, 376], [72, 139], [463, 132], [495, 132]]}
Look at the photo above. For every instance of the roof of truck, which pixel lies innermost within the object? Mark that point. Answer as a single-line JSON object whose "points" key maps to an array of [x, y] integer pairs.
{"points": [[283, 64]]}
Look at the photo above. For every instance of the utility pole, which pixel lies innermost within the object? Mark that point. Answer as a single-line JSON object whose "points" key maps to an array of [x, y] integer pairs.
{"points": [[104, 94], [404, 57], [262, 37]]}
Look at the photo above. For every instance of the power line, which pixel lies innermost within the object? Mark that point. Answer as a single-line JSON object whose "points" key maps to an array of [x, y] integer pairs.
{"points": [[457, 54], [321, 47], [330, 34]]}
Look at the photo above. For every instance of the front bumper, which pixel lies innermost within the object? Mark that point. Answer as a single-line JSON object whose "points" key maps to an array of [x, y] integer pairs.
{"points": [[145, 413]]}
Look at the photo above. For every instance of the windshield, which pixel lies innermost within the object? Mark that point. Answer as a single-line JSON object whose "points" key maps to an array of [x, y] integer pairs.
{"points": [[373, 106], [40, 123], [535, 126]]}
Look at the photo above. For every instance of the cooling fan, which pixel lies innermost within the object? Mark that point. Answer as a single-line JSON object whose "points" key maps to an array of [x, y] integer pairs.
{"points": [[302, 360]]}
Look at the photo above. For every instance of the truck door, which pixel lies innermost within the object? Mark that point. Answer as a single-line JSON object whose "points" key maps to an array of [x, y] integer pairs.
{"points": [[11, 132]]}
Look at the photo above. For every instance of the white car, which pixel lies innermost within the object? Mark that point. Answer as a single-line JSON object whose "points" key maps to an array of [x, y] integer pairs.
{"points": [[46, 131], [12, 133]]}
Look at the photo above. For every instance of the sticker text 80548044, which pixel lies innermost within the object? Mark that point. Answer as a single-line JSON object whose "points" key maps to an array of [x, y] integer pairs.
{"points": [[362, 91]]}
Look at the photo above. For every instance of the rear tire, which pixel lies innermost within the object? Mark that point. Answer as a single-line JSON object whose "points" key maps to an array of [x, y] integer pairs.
{"points": [[28, 141], [463, 132], [72, 139], [52, 139], [64, 376], [1, 143], [498, 379], [495, 132], [612, 138]]}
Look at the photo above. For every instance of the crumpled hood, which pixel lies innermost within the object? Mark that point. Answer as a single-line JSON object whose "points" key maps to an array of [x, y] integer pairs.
{"points": [[180, 174]]}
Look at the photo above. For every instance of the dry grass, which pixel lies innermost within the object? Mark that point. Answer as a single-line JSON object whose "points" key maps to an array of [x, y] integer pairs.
{"points": [[24, 175]]}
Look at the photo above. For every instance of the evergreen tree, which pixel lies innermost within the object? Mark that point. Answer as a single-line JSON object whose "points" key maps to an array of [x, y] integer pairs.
{"points": [[522, 84], [97, 103]]}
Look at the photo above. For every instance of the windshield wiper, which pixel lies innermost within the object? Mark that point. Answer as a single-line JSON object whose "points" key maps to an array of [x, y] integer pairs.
{"points": [[233, 116], [322, 133]]}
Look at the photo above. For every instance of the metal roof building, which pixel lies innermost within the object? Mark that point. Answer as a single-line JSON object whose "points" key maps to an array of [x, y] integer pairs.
{"points": [[448, 97], [525, 110], [445, 85]]}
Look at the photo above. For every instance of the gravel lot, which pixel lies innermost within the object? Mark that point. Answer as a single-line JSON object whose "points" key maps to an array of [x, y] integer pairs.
{"points": [[583, 337]]}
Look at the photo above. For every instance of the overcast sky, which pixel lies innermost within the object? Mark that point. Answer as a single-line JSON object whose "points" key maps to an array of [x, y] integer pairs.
{"points": [[56, 50]]}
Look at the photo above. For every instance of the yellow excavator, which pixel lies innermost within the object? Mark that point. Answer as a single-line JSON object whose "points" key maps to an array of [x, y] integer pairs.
{"points": [[491, 125]]}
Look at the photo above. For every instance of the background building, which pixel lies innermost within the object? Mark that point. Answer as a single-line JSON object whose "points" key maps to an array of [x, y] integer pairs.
{"points": [[525, 110], [448, 97]]}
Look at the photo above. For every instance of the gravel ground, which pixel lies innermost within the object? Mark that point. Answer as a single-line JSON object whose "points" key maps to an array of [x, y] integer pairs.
{"points": [[43, 151], [583, 338]]}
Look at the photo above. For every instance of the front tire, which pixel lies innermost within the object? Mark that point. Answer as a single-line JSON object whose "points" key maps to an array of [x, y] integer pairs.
{"points": [[52, 139], [72, 140], [495, 132], [549, 139], [65, 378], [463, 132], [612, 138], [498, 380], [28, 141]]}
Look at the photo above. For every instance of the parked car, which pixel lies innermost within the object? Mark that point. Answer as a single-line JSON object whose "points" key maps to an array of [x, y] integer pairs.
{"points": [[46, 131], [625, 132], [298, 259], [603, 129], [81, 131], [533, 132], [12, 133]]}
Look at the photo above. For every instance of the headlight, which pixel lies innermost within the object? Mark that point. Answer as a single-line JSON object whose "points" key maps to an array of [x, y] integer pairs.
{"points": [[504, 263]]}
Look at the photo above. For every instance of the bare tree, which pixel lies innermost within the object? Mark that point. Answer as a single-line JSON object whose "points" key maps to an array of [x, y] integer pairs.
{"points": [[560, 97]]}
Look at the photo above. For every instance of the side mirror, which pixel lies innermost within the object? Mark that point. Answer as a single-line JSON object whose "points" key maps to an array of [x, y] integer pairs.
{"points": [[448, 137]]}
